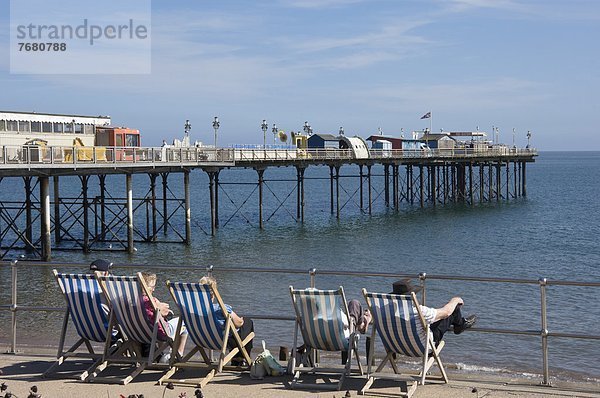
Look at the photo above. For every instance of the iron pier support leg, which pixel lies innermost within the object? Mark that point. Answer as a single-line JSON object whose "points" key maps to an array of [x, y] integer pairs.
{"points": [[302, 170], [524, 179], [369, 189], [28, 215], [395, 172], [300, 193], [471, 183], [481, 172], [361, 177], [337, 192], [217, 198], [298, 182], [86, 223], [45, 221], [428, 182], [188, 208], [331, 186], [421, 183], [518, 176], [409, 181], [165, 186], [515, 189], [260, 197], [445, 183], [507, 180], [129, 188], [386, 176], [211, 188], [462, 182], [153, 204], [56, 209], [102, 178], [498, 179], [453, 181], [433, 183], [490, 184]]}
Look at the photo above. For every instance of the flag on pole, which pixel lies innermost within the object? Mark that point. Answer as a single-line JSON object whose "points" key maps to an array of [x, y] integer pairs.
{"points": [[426, 116]]}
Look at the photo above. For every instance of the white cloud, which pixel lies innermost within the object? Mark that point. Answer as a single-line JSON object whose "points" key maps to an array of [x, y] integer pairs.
{"points": [[575, 10], [493, 94]]}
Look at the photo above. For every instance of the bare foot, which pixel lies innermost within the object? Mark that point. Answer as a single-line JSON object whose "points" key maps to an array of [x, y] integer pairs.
{"points": [[362, 327]]}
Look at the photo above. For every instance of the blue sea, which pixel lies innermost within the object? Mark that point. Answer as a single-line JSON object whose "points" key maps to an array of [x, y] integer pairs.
{"points": [[551, 233]]}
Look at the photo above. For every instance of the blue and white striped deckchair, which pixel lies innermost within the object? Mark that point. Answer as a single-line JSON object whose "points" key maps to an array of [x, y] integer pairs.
{"points": [[195, 303], [89, 315], [322, 317], [400, 325], [125, 297]]}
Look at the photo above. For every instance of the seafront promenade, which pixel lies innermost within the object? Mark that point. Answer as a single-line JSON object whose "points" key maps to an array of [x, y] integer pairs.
{"points": [[22, 371]]}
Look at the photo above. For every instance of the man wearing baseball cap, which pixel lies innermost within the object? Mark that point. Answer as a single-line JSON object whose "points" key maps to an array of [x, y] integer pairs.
{"points": [[439, 319], [101, 266]]}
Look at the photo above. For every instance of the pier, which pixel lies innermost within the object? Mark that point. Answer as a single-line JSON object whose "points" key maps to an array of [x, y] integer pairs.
{"points": [[37, 220]]}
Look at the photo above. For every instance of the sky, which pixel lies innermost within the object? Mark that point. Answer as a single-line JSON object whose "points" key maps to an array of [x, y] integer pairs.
{"points": [[361, 64]]}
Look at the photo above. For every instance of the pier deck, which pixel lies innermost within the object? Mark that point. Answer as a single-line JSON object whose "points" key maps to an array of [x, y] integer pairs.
{"points": [[35, 161], [426, 177]]}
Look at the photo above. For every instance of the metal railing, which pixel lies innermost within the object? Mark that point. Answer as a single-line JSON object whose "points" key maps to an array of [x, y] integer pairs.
{"points": [[543, 333], [68, 156]]}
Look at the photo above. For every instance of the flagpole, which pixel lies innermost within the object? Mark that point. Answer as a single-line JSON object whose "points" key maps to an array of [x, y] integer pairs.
{"points": [[431, 123]]}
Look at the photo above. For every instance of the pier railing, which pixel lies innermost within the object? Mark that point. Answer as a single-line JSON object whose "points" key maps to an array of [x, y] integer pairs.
{"points": [[544, 332], [68, 156]]}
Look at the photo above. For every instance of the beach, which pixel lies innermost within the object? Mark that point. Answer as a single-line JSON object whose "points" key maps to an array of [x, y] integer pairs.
{"points": [[22, 371]]}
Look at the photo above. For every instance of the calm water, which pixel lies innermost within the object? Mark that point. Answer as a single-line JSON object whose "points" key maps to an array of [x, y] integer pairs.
{"points": [[552, 233]]}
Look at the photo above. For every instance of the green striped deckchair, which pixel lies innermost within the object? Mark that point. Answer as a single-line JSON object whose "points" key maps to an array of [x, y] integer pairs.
{"points": [[323, 320], [198, 312], [89, 315], [125, 297], [400, 325]]}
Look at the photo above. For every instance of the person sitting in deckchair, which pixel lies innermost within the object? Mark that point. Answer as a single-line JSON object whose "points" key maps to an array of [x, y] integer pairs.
{"points": [[439, 319], [244, 325], [103, 267], [165, 311]]}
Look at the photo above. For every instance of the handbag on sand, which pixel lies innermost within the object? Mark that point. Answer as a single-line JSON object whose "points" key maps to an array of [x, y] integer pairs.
{"points": [[265, 364]]}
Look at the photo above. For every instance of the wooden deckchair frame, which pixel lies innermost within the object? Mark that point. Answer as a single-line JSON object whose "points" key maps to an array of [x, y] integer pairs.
{"points": [[313, 356], [62, 355], [431, 355], [207, 363], [130, 351]]}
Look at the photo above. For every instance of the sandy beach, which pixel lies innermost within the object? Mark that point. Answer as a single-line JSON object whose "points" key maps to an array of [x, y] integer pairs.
{"points": [[22, 371]]}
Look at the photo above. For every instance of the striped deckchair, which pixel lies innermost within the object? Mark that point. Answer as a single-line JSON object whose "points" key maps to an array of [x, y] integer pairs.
{"points": [[400, 324], [89, 315], [195, 304], [125, 297], [322, 317]]}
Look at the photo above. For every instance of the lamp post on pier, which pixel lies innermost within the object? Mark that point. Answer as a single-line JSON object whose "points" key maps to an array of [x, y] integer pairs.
{"points": [[186, 129], [307, 129], [216, 126], [274, 131], [264, 126], [528, 138], [514, 132], [341, 130]]}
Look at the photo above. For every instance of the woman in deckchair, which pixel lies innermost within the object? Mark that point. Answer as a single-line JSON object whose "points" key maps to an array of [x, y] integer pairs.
{"points": [[165, 311], [243, 325]]}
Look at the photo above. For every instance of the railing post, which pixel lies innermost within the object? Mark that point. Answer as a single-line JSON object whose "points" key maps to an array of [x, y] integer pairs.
{"points": [[422, 277], [13, 308], [312, 272], [544, 332]]}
